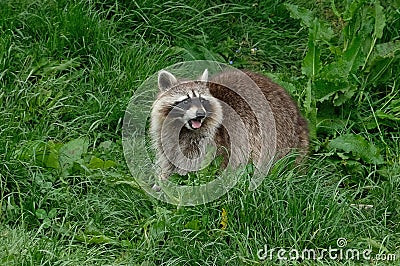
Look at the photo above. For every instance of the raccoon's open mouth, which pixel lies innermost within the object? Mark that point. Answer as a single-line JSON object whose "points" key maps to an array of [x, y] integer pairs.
{"points": [[195, 123]]}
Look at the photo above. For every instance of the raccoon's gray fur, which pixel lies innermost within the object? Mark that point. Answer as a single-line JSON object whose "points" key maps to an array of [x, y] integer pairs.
{"points": [[225, 112]]}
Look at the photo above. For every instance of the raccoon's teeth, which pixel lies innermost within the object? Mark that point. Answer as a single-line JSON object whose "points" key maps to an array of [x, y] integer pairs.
{"points": [[195, 124]]}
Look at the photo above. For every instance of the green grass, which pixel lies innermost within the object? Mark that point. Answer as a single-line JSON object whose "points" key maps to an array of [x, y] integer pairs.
{"points": [[67, 72]]}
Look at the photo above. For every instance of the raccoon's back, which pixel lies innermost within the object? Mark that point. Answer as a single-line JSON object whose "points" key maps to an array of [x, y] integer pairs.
{"points": [[291, 128]]}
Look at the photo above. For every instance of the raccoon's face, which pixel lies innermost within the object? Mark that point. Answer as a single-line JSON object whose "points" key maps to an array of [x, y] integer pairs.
{"points": [[193, 109], [190, 102]]}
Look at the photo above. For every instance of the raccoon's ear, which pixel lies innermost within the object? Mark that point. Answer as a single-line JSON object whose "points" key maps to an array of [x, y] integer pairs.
{"points": [[166, 80], [204, 76]]}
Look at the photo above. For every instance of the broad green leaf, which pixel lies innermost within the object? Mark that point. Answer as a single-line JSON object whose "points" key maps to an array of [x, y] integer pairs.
{"points": [[108, 164], [40, 214], [71, 152], [327, 89], [52, 213], [308, 100], [352, 58], [194, 225], [382, 115], [347, 63], [382, 58], [51, 160], [330, 125], [387, 50], [380, 20], [323, 30], [344, 95], [352, 8], [380, 72], [46, 222], [97, 163], [312, 63], [306, 16], [337, 91], [359, 147]]}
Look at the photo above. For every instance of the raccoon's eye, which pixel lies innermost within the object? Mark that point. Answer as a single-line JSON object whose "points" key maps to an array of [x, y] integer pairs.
{"points": [[202, 100], [185, 101]]}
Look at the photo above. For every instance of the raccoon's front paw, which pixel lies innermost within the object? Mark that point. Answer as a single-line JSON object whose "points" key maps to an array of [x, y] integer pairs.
{"points": [[161, 178]]}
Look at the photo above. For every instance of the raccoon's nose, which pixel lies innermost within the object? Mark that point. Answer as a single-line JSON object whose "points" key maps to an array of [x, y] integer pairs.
{"points": [[200, 114]]}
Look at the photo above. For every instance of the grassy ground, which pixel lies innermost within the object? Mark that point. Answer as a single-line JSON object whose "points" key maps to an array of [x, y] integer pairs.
{"points": [[67, 72]]}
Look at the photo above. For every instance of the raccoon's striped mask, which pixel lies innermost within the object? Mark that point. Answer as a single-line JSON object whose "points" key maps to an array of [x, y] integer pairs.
{"points": [[188, 101]]}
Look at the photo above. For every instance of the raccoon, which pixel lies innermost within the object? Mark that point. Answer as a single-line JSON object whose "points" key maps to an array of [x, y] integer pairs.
{"points": [[241, 115]]}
